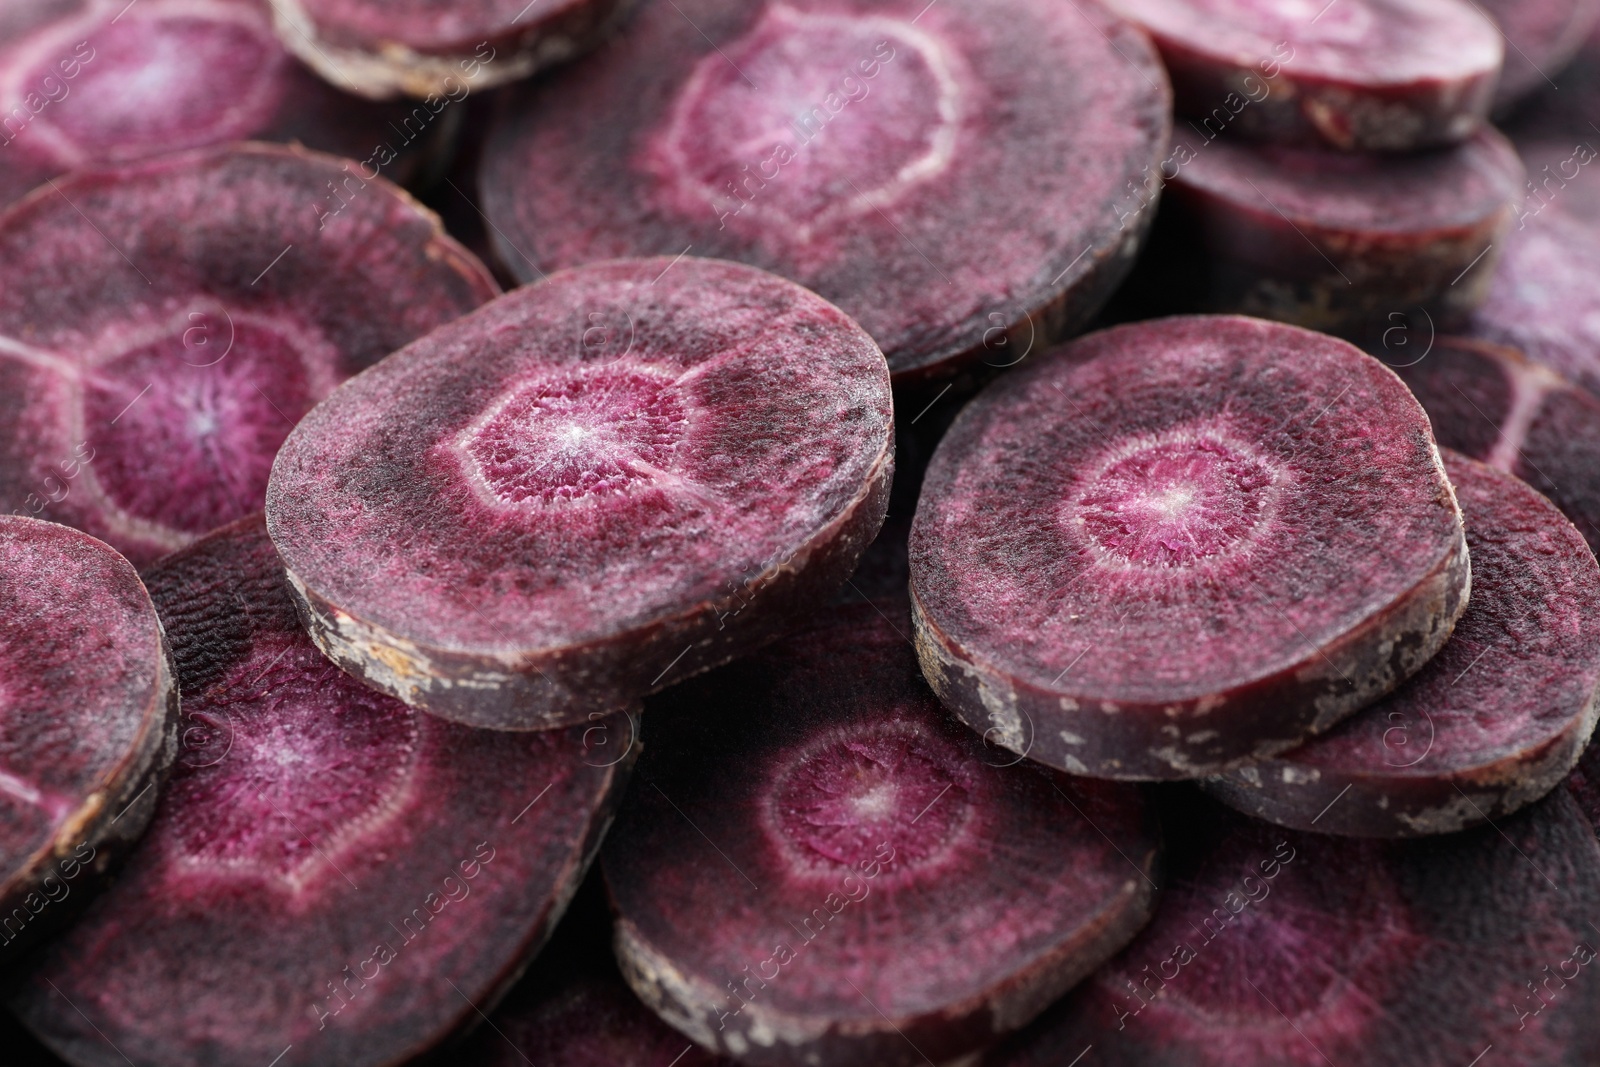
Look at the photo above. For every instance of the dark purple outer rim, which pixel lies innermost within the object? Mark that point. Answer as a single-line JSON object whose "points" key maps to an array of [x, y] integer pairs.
{"points": [[113, 817]]}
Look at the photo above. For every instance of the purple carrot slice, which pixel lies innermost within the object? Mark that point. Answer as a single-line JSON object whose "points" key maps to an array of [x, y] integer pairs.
{"points": [[1496, 405], [88, 720], [1545, 296], [92, 82], [964, 178], [590, 1022], [344, 879], [572, 1008], [1214, 477], [589, 489], [1493, 722], [1277, 948], [887, 887], [383, 48], [1542, 37], [1378, 75], [164, 324], [1336, 241]]}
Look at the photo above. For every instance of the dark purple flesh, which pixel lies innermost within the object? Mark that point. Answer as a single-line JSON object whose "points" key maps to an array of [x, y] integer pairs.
{"points": [[1584, 785], [962, 177], [589, 489], [1545, 295], [88, 718], [1373, 75], [427, 49], [884, 574], [1494, 404], [1335, 241], [1493, 722], [1180, 544], [591, 1022], [344, 879], [823, 867], [164, 324], [1275, 948], [572, 1009], [1542, 38], [85, 84]]}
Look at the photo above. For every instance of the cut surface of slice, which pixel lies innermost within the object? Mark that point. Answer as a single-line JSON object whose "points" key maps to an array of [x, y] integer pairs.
{"points": [[1495, 405], [951, 175], [92, 82], [343, 878], [591, 488], [1182, 543], [1274, 947], [888, 887], [1379, 75], [1335, 241], [1545, 296], [573, 1009], [1493, 722], [88, 720], [589, 1022], [163, 325], [423, 48]]}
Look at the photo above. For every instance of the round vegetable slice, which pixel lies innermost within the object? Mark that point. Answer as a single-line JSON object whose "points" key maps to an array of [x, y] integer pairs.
{"points": [[1542, 37], [852, 836], [344, 879], [1380, 75], [589, 489], [1493, 722], [1545, 296], [1496, 405], [1138, 559], [965, 178], [88, 720], [1280, 948], [92, 82], [382, 48], [164, 323], [1336, 241]]}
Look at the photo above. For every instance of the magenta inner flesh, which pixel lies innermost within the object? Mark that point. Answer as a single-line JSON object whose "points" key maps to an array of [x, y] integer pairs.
{"points": [[162, 78], [1177, 501], [184, 433], [259, 813], [806, 147], [80, 655]]}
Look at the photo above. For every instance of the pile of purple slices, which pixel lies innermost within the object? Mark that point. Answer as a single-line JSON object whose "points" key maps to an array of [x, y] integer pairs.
{"points": [[803, 533]]}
